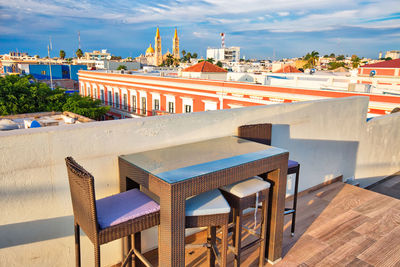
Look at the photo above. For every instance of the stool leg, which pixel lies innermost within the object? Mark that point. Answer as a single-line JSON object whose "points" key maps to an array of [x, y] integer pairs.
{"points": [[128, 249], [238, 235], [97, 255], [296, 189], [77, 246], [212, 232], [264, 223], [137, 244], [224, 245]]}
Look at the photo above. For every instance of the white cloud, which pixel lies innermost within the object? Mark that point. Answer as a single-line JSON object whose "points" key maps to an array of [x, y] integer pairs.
{"points": [[283, 13]]}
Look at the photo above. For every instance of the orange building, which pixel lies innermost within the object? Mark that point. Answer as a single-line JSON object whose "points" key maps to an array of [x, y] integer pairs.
{"points": [[389, 68], [131, 95]]}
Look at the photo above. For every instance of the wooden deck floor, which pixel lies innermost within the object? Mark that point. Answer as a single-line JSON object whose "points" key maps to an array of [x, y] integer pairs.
{"points": [[337, 225]]}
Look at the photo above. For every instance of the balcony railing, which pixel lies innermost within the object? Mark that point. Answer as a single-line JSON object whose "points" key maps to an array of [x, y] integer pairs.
{"points": [[135, 110]]}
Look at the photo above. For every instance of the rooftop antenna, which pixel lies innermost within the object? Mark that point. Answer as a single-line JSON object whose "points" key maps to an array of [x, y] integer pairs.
{"points": [[222, 40], [50, 47], [79, 39]]}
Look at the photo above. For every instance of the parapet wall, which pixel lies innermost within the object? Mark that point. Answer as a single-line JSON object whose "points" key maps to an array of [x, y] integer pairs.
{"points": [[327, 137]]}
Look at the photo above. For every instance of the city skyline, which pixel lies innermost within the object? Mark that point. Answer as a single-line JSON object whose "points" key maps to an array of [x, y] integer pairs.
{"points": [[283, 29]]}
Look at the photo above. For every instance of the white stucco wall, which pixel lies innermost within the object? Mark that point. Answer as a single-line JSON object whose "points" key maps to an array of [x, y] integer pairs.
{"points": [[379, 153], [36, 223]]}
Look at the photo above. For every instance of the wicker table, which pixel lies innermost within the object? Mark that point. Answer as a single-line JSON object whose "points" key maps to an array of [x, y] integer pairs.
{"points": [[178, 172]]}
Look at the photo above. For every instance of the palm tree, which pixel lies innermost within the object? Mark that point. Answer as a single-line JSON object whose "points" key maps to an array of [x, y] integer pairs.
{"points": [[188, 56], [314, 56], [183, 59], [170, 60], [79, 53], [211, 60], [355, 61], [62, 54]]}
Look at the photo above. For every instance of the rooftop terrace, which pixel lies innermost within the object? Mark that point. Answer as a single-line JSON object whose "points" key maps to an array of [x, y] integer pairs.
{"points": [[330, 138], [337, 225]]}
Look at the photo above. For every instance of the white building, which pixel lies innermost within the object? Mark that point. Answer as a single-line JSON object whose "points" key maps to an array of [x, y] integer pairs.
{"points": [[98, 55], [394, 54], [228, 54]]}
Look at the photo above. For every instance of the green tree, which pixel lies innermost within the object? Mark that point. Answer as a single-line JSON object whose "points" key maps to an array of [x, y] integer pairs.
{"points": [[355, 61], [332, 55], [62, 54], [194, 55], [219, 64], [121, 67], [211, 60], [79, 53], [183, 54], [334, 65], [85, 106], [26, 95], [340, 57], [388, 58], [169, 61], [314, 56], [188, 56]]}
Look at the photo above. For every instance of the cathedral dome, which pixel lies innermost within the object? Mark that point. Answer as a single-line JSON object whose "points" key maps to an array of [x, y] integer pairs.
{"points": [[150, 50]]}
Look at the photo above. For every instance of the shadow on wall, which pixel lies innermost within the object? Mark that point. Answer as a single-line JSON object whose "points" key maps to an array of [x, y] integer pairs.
{"points": [[318, 159], [35, 231]]}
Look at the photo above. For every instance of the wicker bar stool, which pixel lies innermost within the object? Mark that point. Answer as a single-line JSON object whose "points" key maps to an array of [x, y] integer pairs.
{"points": [[262, 133], [240, 196], [209, 209], [109, 218]]}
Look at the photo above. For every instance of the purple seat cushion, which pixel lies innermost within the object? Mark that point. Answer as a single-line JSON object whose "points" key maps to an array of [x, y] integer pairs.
{"points": [[292, 164], [123, 207]]}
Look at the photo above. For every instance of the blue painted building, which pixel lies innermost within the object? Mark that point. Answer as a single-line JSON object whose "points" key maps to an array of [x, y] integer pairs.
{"points": [[42, 72]]}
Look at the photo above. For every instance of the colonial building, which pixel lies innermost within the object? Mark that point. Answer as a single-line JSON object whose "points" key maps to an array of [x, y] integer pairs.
{"points": [[154, 56], [175, 45], [130, 95]]}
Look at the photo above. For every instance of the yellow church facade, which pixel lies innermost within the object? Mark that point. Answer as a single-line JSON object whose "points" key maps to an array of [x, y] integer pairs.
{"points": [[154, 56]]}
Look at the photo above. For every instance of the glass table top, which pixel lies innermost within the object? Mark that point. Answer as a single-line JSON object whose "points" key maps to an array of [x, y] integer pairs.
{"points": [[178, 163]]}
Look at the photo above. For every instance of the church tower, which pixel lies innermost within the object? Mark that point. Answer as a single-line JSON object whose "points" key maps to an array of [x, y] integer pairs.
{"points": [[175, 45], [157, 45]]}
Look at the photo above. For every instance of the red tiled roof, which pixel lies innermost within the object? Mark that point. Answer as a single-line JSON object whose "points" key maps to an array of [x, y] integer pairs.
{"points": [[287, 69], [395, 63], [204, 66]]}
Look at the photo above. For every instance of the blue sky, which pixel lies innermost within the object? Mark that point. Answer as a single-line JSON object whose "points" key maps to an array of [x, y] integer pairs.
{"points": [[262, 28]]}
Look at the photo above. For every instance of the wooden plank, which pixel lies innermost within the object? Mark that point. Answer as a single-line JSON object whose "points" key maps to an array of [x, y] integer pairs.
{"points": [[359, 263], [345, 253], [338, 227], [379, 226], [385, 252]]}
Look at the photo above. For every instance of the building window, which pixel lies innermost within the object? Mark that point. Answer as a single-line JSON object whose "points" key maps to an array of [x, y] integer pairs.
{"points": [[88, 91], [109, 98], [171, 107], [133, 103], [43, 72], [116, 99], [144, 105], [102, 95], [125, 101], [95, 92], [156, 104], [188, 108]]}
